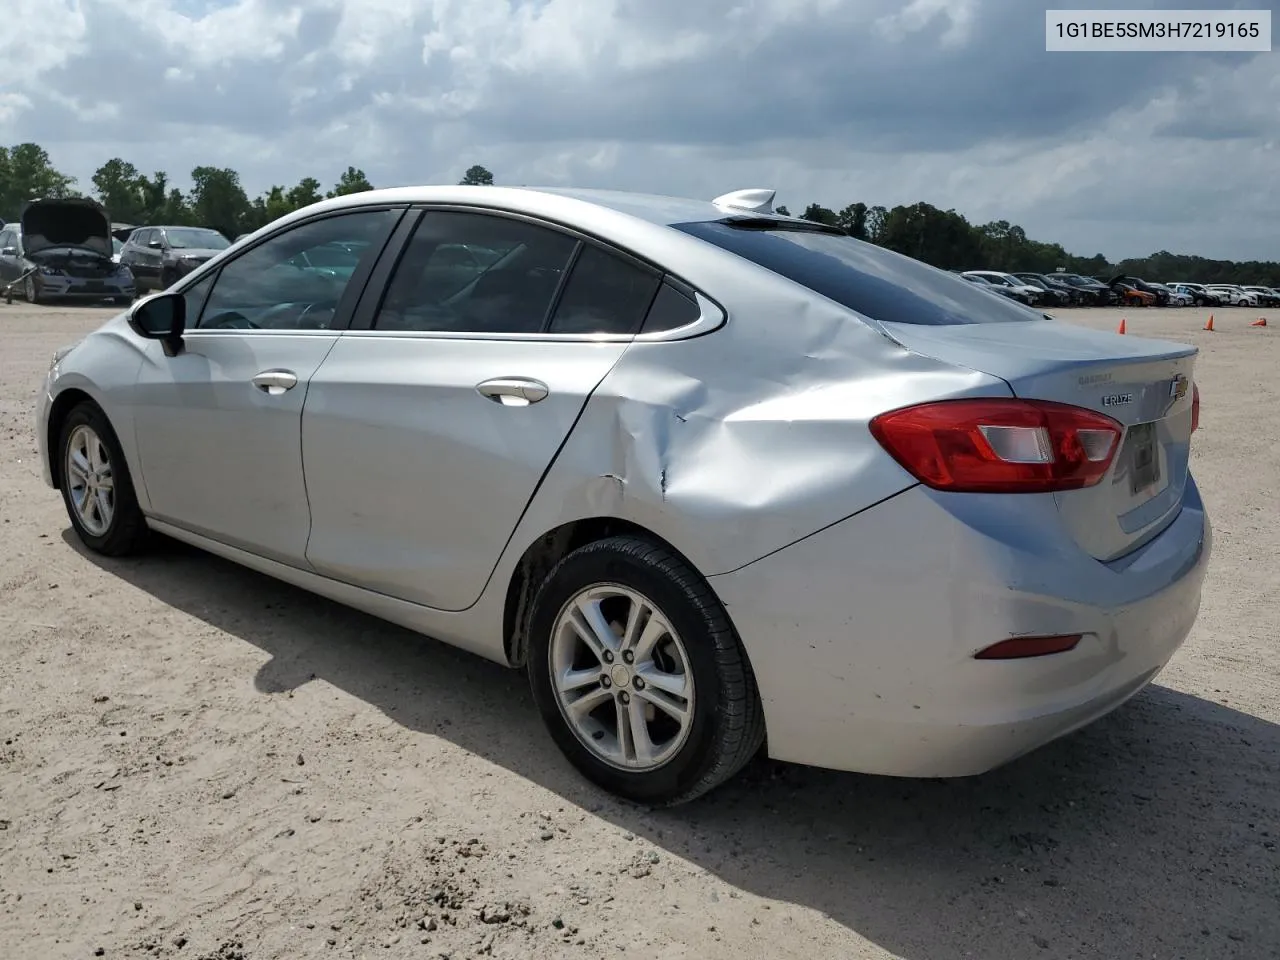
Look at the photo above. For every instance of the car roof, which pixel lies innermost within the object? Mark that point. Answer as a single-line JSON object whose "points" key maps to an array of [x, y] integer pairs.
{"points": [[551, 202]]}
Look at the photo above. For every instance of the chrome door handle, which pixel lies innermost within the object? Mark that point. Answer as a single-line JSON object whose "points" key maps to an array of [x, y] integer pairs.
{"points": [[275, 382], [514, 391]]}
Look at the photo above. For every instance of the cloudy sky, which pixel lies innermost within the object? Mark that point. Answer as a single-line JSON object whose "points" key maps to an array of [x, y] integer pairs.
{"points": [[954, 102]]}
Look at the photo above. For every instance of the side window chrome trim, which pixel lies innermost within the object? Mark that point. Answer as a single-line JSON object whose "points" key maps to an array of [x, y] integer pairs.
{"points": [[240, 332], [712, 318], [712, 315]]}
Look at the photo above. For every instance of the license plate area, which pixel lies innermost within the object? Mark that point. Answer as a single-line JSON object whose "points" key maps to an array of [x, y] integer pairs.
{"points": [[1144, 459]]}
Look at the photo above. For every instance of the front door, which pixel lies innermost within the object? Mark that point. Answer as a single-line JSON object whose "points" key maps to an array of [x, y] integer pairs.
{"points": [[218, 425], [425, 437]]}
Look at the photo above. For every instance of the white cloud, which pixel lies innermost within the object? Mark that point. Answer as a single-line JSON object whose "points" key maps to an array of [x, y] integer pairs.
{"points": [[950, 101]]}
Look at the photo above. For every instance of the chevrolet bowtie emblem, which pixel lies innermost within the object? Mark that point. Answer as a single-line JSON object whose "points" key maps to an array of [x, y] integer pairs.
{"points": [[1178, 387]]}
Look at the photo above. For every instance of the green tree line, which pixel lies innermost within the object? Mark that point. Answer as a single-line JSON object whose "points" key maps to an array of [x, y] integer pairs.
{"points": [[943, 238]]}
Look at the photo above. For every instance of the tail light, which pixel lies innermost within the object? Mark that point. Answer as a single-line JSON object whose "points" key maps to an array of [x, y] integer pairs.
{"points": [[1195, 407], [1000, 445]]}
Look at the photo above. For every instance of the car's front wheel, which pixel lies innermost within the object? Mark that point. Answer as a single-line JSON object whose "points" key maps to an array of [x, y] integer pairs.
{"points": [[31, 289], [96, 486], [639, 674]]}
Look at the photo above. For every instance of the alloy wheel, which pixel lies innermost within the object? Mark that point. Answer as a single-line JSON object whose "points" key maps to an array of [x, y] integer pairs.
{"points": [[622, 677], [90, 479]]}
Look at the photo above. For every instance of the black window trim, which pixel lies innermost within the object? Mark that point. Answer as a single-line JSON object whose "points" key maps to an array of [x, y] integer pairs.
{"points": [[351, 296], [712, 314]]}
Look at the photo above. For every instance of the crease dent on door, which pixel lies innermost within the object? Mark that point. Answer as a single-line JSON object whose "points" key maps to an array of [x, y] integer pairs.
{"points": [[416, 478]]}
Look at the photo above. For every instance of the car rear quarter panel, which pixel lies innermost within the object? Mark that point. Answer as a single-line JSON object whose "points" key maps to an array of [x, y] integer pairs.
{"points": [[739, 442]]}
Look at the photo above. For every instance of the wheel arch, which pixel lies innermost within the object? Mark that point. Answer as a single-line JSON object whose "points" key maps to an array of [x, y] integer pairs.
{"points": [[543, 554], [63, 404]]}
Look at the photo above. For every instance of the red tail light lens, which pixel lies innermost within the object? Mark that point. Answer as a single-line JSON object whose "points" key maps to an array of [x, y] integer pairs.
{"points": [[1019, 648], [1195, 407], [1000, 445]]}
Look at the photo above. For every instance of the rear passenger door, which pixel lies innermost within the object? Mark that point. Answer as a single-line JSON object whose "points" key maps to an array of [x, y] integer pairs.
{"points": [[426, 433]]}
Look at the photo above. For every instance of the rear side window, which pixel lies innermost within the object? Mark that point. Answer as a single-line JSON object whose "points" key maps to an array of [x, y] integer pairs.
{"points": [[672, 308], [476, 273], [876, 282], [605, 294]]}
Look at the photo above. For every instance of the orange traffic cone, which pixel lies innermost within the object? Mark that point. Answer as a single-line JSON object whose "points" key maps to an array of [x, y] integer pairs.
{"points": [[1260, 322], [1209, 326], [1120, 329]]}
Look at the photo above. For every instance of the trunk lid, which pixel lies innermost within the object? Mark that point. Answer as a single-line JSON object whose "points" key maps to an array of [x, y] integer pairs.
{"points": [[75, 223], [1145, 385]]}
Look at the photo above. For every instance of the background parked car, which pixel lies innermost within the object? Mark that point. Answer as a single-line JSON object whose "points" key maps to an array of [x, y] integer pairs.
{"points": [[1131, 296], [1024, 292], [1055, 294], [1161, 296], [1200, 296], [1174, 298], [1234, 295], [160, 256], [996, 289], [1095, 292], [1266, 296]]}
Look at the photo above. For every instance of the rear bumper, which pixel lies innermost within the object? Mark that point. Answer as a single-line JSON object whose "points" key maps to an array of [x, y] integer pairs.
{"points": [[862, 636]]}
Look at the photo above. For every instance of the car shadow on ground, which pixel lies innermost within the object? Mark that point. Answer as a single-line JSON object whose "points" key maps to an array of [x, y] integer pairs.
{"points": [[1155, 829]]}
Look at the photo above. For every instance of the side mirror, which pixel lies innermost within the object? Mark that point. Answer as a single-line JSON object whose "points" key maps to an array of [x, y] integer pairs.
{"points": [[9, 252], [162, 317], [154, 244]]}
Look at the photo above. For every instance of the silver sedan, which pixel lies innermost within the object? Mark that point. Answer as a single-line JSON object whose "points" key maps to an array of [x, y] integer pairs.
{"points": [[723, 481]]}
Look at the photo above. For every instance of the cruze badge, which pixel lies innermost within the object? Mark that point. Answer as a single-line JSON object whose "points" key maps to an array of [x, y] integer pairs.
{"points": [[1116, 399]]}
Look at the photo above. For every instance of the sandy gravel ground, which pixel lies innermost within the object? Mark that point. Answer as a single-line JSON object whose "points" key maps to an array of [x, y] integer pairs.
{"points": [[196, 761]]}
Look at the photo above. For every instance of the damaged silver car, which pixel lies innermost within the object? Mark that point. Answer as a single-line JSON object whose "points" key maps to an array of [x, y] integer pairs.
{"points": [[61, 249], [725, 482]]}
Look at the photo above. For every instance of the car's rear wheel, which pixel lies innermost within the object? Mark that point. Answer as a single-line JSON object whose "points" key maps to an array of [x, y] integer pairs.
{"points": [[639, 674], [96, 486]]}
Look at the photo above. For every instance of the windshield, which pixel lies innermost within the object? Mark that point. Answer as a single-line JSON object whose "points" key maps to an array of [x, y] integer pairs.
{"points": [[868, 279], [196, 238]]}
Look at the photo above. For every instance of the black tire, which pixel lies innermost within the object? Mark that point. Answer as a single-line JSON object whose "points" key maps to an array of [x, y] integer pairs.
{"points": [[126, 533], [728, 721], [31, 290]]}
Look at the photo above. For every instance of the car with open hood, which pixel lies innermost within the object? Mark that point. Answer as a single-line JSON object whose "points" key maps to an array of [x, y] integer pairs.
{"points": [[61, 250]]}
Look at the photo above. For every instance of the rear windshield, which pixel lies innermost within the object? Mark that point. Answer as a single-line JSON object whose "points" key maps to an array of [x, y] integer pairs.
{"points": [[876, 282]]}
